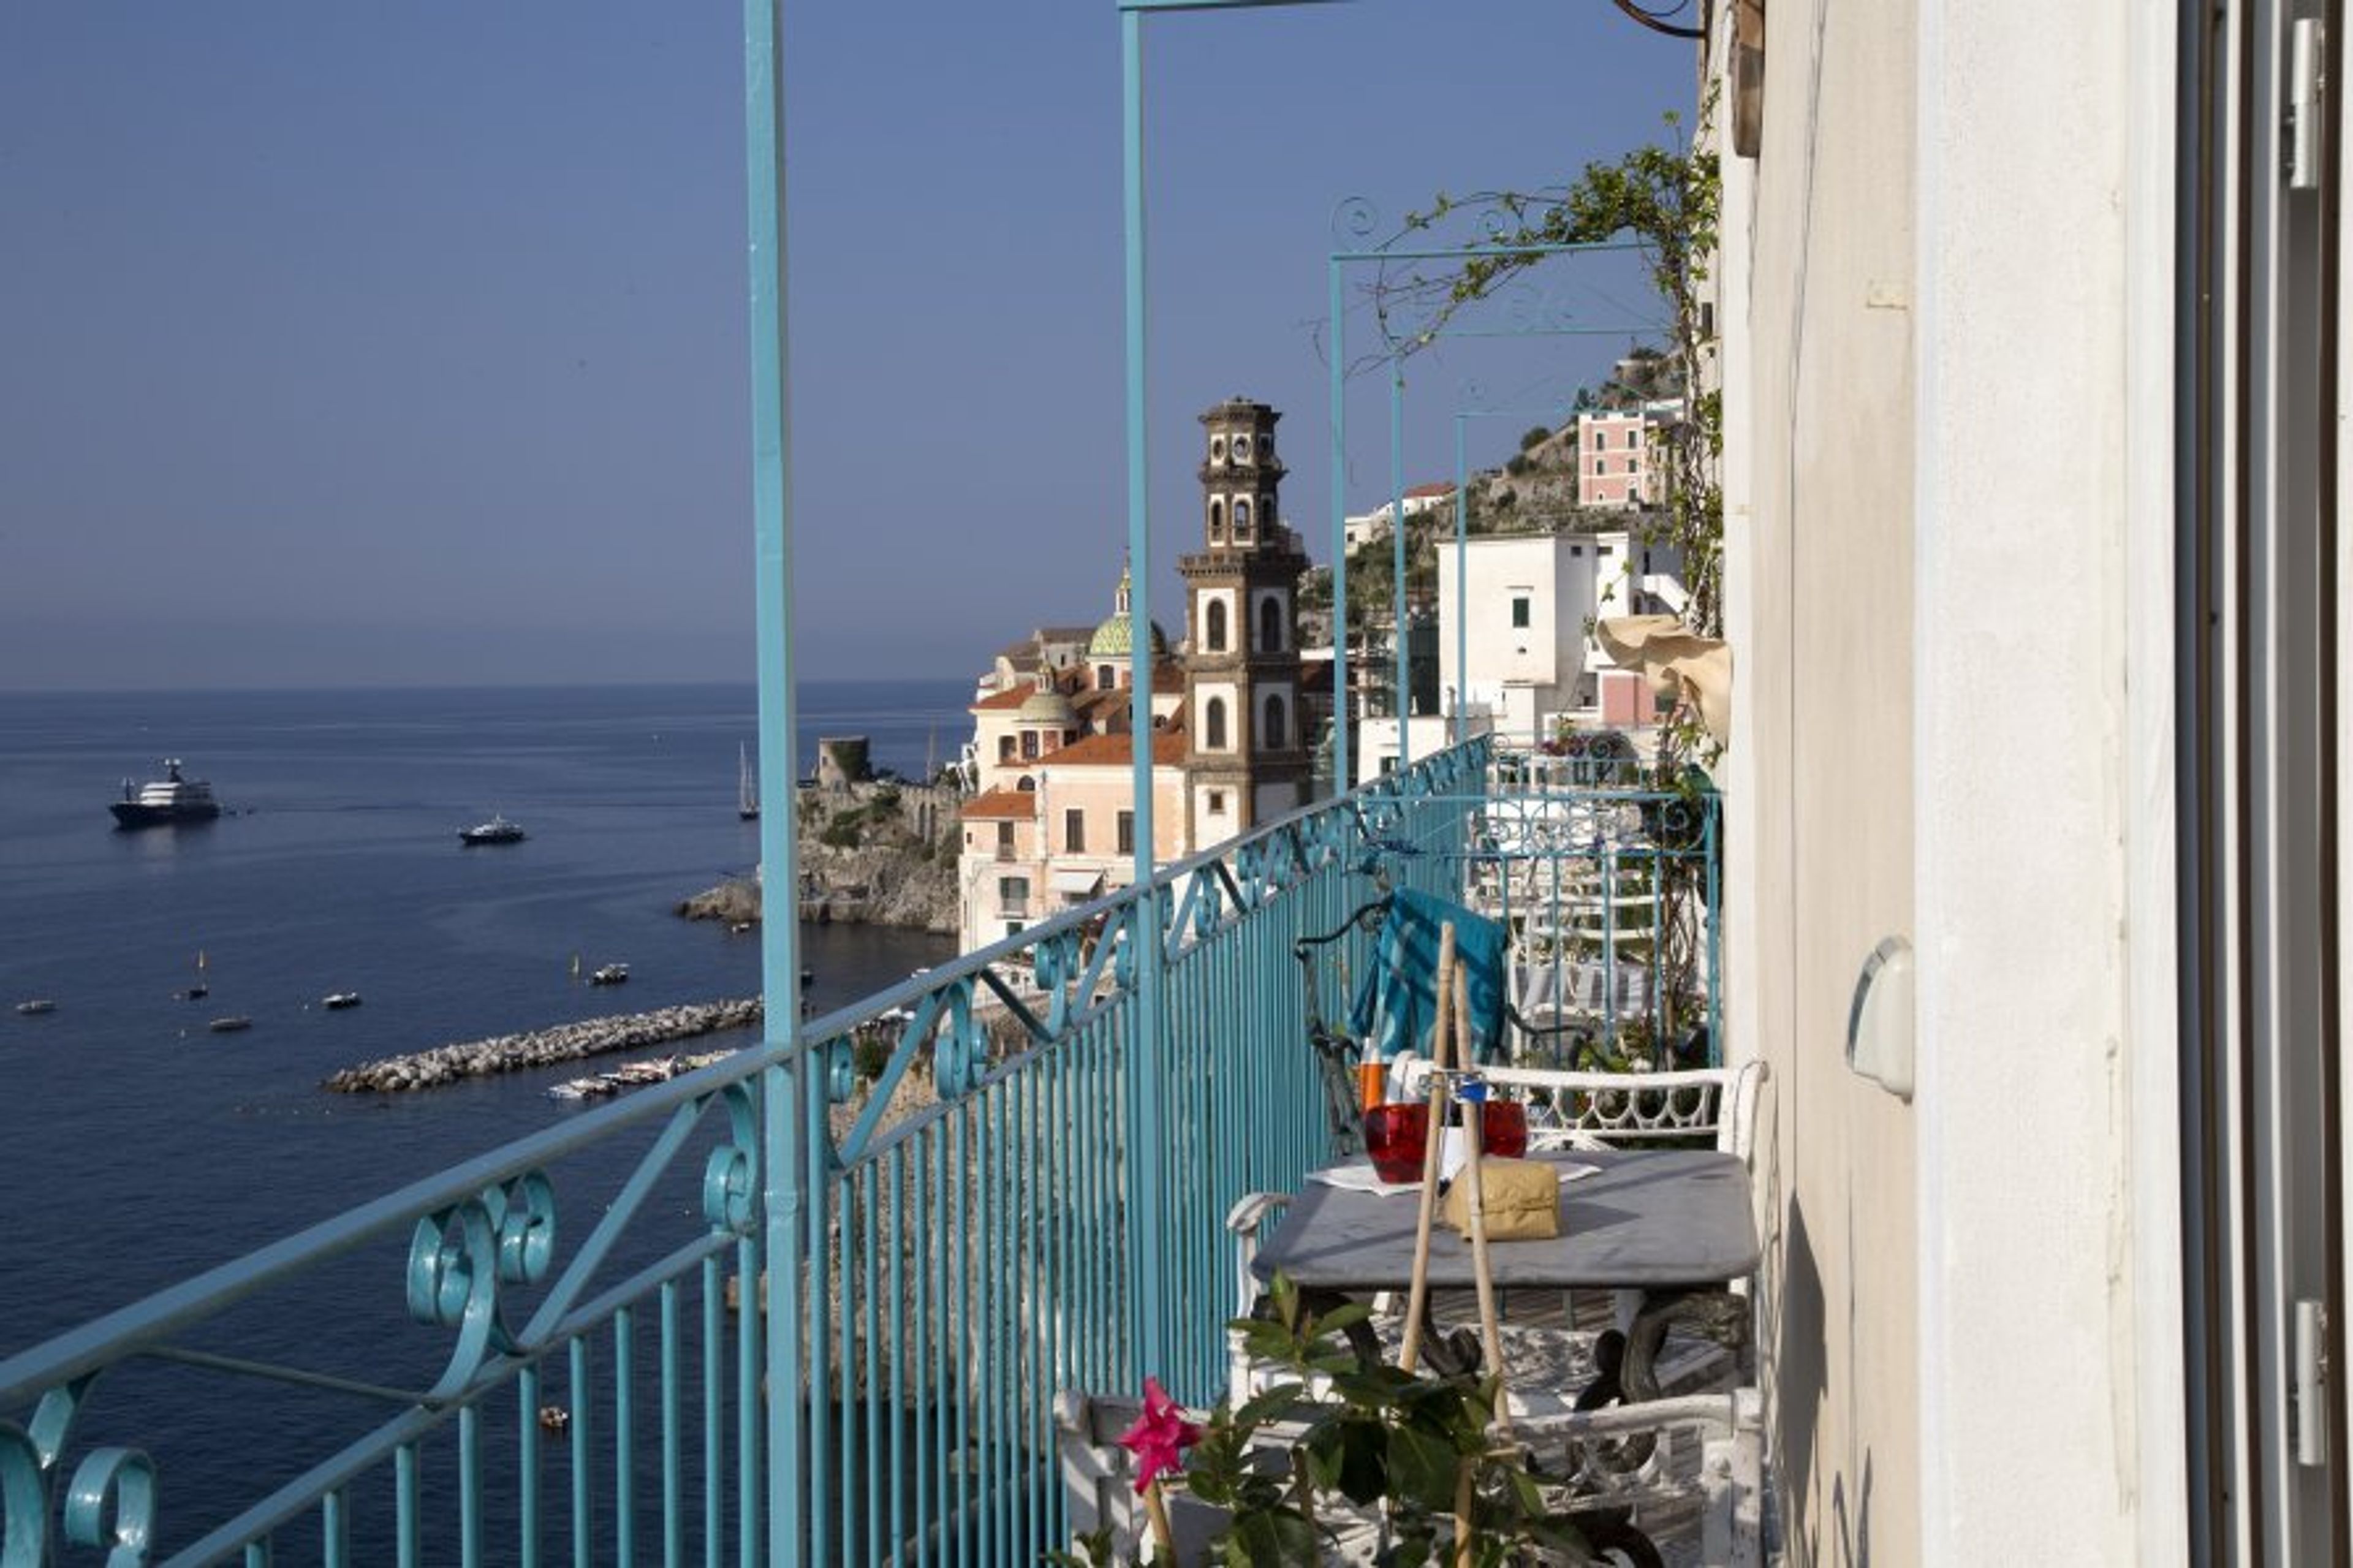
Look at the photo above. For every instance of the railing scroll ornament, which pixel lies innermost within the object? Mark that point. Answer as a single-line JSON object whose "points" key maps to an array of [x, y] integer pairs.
{"points": [[1355, 219], [459, 1256], [110, 1502], [731, 1177]]}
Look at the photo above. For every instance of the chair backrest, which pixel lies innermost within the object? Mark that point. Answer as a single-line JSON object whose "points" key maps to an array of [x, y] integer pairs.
{"points": [[1618, 1109], [1396, 1002]]}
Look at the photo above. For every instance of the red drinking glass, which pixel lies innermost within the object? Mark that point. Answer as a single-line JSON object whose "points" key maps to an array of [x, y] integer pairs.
{"points": [[1503, 1128], [1395, 1136]]}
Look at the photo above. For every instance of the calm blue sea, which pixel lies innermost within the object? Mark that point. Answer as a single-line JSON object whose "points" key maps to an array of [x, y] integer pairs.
{"points": [[139, 1146]]}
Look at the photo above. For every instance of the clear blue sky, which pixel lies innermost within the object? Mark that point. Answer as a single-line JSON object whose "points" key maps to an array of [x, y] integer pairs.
{"points": [[404, 344]]}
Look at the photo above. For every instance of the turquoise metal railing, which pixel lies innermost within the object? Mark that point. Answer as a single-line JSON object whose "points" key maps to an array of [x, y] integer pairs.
{"points": [[543, 1355]]}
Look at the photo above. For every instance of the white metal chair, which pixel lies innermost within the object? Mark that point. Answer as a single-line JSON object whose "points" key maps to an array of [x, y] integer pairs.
{"points": [[1577, 1109]]}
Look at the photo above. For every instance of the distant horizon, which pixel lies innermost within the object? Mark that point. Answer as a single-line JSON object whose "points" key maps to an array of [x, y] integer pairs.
{"points": [[746, 683]]}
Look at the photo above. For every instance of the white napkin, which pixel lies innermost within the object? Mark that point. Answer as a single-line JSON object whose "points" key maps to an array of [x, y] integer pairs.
{"points": [[1363, 1178]]}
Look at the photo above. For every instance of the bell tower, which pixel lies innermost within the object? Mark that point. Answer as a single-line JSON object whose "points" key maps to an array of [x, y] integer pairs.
{"points": [[1246, 749]]}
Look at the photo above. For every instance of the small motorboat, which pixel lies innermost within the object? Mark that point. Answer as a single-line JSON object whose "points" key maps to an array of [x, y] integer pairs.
{"points": [[608, 974], [193, 993], [234, 1023], [497, 830], [36, 1005], [337, 1001]]}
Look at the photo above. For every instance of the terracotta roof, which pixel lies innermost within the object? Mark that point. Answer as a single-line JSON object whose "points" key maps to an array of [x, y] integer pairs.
{"points": [[1011, 697], [1418, 492], [1117, 750], [1006, 804]]}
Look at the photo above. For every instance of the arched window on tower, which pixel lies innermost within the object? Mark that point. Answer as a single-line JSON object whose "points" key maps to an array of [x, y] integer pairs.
{"points": [[1106, 677], [1241, 518], [1213, 626], [1213, 724], [1217, 520], [1270, 624], [1274, 732]]}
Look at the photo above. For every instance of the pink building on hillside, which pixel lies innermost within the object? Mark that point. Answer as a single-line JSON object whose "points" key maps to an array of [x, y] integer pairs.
{"points": [[1614, 466]]}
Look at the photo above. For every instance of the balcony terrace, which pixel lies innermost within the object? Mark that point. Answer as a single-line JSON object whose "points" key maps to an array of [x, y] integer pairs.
{"points": [[543, 1352]]}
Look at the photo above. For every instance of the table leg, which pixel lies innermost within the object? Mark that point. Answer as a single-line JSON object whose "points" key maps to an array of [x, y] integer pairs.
{"points": [[1627, 1364]]}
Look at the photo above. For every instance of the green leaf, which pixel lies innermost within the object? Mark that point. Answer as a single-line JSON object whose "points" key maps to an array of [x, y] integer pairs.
{"points": [[1343, 1318], [1422, 1468], [1362, 1473], [1278, 1403], [1277, 1535]]}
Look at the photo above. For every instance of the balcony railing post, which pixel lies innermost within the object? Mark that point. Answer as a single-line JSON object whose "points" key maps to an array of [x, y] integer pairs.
{"points": [[1150, 1336], [782, 1174], [1342, 777]]}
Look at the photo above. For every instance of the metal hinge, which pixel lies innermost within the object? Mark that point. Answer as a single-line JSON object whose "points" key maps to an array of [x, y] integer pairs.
{"points": [[2308, 1393], [2300, 129]]}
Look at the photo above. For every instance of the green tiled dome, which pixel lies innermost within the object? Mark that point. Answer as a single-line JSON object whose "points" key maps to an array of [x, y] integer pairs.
{"points": [[1115, 639]]}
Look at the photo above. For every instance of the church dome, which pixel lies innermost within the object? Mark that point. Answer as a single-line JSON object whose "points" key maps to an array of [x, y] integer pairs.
{"points": [[1046, 705], [1115, 639]]}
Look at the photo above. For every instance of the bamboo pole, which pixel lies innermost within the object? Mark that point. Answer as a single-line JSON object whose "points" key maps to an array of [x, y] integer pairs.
{"points": [[1466, 1498], [1491, 1328], [1433, 1146]]}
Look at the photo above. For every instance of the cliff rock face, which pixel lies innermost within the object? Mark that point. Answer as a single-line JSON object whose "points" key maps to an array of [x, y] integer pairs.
{"points": [[884, 854]]}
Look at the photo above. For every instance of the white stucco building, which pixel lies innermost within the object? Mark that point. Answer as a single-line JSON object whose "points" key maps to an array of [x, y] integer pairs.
{"points": [[2056, 1211], [1515, 642], [1361, 528]]}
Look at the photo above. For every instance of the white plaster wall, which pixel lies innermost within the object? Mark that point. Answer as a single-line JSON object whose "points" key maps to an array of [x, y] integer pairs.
{"points": [[1376, 742], [2024, 1198], [1970, 1311], [1820, 434], [1214, 826], [1525, 671]]}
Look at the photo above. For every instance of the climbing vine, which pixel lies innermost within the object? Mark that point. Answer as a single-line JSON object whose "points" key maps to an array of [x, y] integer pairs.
{"points": [[1665, 198]]}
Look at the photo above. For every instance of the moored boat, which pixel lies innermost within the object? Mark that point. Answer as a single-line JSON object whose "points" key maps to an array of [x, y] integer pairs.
{"points": [[608, 974], [174, 799], [231, 1024], [37, 1005], [337, 1001], [747, 788], [497, 830]]}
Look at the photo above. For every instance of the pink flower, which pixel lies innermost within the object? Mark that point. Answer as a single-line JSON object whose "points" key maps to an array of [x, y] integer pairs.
{"points": [[1159, 1437]]}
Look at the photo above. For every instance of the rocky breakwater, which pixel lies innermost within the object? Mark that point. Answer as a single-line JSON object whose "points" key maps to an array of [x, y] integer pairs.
{"points": [[544, 1047]]}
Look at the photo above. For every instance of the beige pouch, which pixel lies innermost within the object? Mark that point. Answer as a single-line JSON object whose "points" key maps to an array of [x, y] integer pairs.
{"points": [[1519, 1200]]}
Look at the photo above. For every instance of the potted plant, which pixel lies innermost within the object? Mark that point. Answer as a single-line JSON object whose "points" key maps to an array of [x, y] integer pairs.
{"points": [[1408, 1465]]}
